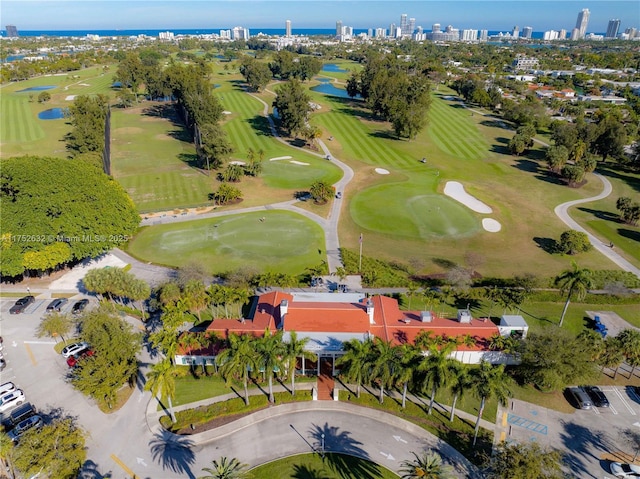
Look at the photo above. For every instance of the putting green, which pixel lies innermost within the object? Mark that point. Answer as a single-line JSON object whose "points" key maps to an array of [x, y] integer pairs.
{"points": [[266, 241], [406, 210], [285, 174]]}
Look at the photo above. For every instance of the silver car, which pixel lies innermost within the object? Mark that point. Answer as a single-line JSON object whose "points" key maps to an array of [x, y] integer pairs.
{"points": [[7, 388], [11, 400], [74, 348], [620, 469]]}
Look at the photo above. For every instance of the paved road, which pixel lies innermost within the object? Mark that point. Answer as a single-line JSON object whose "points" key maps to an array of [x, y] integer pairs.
{"points": [[563, 213]]}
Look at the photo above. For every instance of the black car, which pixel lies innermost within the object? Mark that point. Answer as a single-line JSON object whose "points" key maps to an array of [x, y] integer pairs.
{"points": [[597, 396], [79, 306], [21, 304], [57, 304]]}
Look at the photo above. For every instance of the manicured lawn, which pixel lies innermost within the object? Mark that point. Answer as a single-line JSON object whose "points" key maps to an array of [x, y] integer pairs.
{"points": [[283, 242], [334, 466]]}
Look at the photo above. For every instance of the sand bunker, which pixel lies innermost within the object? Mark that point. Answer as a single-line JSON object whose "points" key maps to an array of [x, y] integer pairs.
{"points": [[237, 162], [382, 171], [456, 191], [299, 163], [226, 112], [84, 84], [70, 97], [281, 158], [491, 225]]}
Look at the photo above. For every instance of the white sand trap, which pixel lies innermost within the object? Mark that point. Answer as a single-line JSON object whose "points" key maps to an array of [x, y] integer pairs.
{"points": [[70, 97], [237, 162], [456, 191], [281, 158], [382, 171], [299, 163], [84, 84], [226, 112], [71, 280], [491, 225]]}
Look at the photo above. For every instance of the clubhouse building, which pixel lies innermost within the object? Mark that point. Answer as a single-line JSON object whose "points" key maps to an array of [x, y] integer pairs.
{"points": [[330, 319]]}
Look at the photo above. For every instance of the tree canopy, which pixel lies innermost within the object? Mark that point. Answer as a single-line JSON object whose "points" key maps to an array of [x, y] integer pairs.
{"points": [[293, 107], [56, 210]]}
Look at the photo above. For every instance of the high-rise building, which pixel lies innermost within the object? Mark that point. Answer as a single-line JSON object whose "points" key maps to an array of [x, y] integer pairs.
{"points": [[612, 28], [338, 28], [12, 31], [287, 28], [404, 24], [516, 32], [392, 30], [582, 22], [484, 35], [412, 26], [527, 32]]}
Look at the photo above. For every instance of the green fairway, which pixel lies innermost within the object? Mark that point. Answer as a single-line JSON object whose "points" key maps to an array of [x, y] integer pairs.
{"points": [[284, 242], [333, 466]]}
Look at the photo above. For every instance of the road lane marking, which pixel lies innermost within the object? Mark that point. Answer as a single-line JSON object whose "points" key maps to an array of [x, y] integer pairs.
{"points": [[31, 356], [126, 469], [624, 401]]}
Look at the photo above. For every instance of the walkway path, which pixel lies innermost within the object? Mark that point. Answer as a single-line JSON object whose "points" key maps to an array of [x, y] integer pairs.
{"points": [[605, 249]]}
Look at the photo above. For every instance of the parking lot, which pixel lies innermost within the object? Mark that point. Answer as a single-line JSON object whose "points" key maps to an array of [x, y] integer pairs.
{"points": [[590, 438]]}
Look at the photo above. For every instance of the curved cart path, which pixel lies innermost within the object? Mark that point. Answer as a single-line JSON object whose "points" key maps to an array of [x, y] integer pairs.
{"points": [[563, 213]]}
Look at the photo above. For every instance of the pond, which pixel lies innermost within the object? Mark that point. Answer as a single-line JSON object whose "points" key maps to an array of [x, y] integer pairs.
{"points": [[52, 114], [37, 88], [332, 67], [328, 89]]}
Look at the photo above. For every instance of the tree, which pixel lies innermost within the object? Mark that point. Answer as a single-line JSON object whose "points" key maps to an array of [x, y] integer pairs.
{"points": [[556, 157], [321, 191], [611, 137], [294, 349], [225, 469], [574, 281], [226, 194], [630, 342], [270, 350], [162, 384], [88, 115], [612, 355], [256, 74], [292, 103], [56, 450], [459, 384], [238, 359], [53, 325], [574, 242], [405, 368], [384, 365], [437, 370], [214, 145], [515, 461], [6, 451], [355, 363], [489, 381], [554, 358], [428, 465], [59, 201], [44, 97], [573, 174], [195, 295], [517, 144], [232, 173], [629, 211]]}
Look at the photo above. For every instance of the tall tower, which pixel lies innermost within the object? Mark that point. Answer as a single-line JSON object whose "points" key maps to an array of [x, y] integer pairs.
{"points": [[612, 28], [582, 22], [527, 32], [412, 26], [287, 28], [404, 25], [339, 28], [12, 31]]}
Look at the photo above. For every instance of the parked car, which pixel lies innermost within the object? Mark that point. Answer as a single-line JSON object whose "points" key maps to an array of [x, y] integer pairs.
{"points": [[79, 306], [11, 400], [580, 397], [23, 426], [620, 469], [7, 388], [72, 361], [21, 304], [597, 396], [74, 348], [21, 413], [57, 304]]}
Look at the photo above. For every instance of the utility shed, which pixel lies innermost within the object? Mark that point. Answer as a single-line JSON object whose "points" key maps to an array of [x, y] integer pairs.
{"points": [[513, 325]]}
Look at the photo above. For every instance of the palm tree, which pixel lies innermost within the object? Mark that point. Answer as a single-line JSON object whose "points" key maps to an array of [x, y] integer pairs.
{"points": [[426, 466], [406, 368], [226, 469], [321, 191], [630, 342], [385, 364], [270, 350], [437, 370], [238, 359], [488, 381], [412, 290], [294, 349], [356, 362], [6, 448], [572, 281], [161, 382], [459, 385], [612, 355], [195, 295]]}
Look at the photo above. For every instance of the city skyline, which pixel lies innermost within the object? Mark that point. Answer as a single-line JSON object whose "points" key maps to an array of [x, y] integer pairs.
{"points": [[492, 15]]}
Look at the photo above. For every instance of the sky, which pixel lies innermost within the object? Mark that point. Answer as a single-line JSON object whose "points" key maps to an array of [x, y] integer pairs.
{"points": [[499, 15]]}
